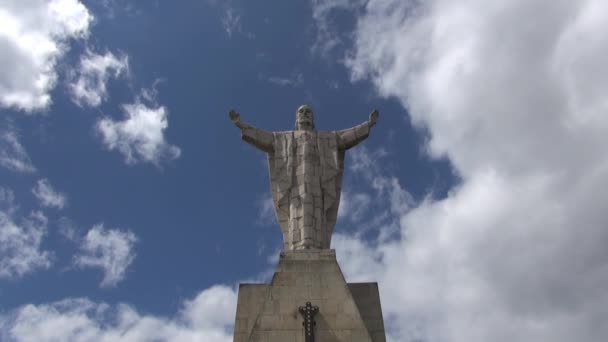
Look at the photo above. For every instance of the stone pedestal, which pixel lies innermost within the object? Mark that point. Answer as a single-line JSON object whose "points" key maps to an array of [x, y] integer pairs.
{"points": [[346, 312]]}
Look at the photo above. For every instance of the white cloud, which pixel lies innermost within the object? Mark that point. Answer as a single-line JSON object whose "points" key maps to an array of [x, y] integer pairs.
{"points": [[512, 93], [140, 137], [88, 83], [208, 317], [34, 35], [358, 260], [110, 250], [47, 196], [13, 155], [20, 251]]}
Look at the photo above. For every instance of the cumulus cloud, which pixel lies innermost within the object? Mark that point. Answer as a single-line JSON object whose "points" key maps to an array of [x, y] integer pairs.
{"points": [[512, 93], [34, 35], [140, 136], [48, 196], [111, 250], [20, 240], [207, 317], [13, 155], [88, 81]]}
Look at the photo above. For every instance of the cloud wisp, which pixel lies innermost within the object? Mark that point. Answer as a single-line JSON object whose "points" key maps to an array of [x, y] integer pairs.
{"points": [[231, 21], [34, 36], [48, 196], [296, 79], [328, 37], [110, 250], [88, 81], [20, 240], [13, 155]]}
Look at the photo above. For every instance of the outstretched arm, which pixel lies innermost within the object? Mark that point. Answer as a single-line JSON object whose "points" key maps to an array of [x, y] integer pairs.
{"points": [[255, 136], [350, 137]]}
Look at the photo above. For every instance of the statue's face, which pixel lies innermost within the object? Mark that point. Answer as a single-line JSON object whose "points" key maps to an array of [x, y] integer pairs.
{"points": [[305, 119]]}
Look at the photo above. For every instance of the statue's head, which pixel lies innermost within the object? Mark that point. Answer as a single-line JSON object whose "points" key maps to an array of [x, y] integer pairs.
{"points": [[305, 119]]}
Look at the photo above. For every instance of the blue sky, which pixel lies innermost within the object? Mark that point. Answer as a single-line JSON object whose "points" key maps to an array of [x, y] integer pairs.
{"points": [[130, 209]]}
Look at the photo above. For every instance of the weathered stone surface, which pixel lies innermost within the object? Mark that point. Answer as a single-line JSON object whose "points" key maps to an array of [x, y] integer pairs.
{"points": [[347, 312], [306, 169]]}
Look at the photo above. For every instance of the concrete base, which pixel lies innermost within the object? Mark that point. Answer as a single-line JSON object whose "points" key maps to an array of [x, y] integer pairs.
{"points": [[347, 312]]}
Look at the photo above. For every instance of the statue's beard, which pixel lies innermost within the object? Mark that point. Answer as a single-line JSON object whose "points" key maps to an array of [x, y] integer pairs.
{"points": [[305, 125]]}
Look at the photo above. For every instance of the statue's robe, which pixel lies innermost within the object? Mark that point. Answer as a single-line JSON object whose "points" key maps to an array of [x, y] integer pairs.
{"points": [[306, 170]]}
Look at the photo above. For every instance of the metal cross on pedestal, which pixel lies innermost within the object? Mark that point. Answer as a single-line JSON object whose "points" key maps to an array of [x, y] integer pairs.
{"points": [[309, 323]]}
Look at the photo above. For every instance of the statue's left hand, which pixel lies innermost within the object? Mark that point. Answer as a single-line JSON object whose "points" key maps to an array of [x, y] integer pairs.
{"points": [[373, 117]]}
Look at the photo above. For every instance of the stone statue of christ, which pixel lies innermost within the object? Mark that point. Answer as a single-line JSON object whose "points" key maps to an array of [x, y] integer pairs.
{"points": [[306, 168]]}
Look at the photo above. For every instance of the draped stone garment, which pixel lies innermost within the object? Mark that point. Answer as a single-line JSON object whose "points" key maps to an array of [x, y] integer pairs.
{"points": [[306, 170]]}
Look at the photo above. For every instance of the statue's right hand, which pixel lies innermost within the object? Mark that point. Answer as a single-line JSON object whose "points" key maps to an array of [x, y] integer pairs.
{"points": [[234, 116]]}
